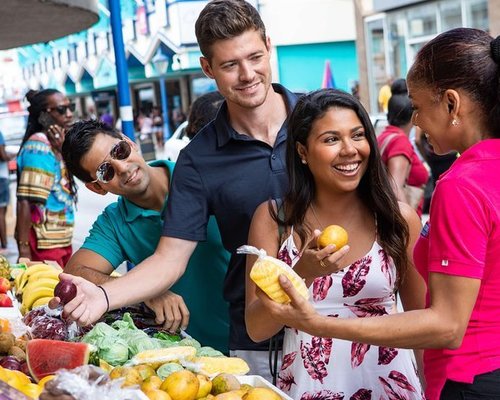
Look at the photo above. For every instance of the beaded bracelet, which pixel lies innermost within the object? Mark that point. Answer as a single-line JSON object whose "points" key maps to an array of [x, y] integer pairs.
{"points": [[23, 243], [106, 296]]}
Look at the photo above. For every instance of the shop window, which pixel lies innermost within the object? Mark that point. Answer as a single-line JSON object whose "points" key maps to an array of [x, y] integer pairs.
{"points": [[477, 14], [451, 15], [396, 46], [422, 21]]}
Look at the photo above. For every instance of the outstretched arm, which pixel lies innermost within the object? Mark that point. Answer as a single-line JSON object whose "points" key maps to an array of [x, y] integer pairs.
{"points": [[170, 309], [150, 278], [89, 265], [433, 327]]}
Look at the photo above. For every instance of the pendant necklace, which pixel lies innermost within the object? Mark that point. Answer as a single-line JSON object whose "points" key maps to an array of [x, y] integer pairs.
{"points": [[316, 217]]}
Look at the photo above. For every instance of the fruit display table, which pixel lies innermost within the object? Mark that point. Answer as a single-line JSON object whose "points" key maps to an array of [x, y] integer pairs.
{"points": [[120, 357]]}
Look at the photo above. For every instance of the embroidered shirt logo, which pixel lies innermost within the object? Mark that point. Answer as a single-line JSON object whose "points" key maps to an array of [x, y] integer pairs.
{"points": [[425, 230], [444, 263]]}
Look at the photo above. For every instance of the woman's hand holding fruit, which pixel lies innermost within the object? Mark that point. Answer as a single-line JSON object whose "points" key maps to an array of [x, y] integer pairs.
{"points": [[316, 262], [87, 306]]}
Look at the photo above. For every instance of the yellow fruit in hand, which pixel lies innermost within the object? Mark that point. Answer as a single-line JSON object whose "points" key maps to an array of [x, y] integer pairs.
{"points": [[181, 385], [333, 234]]}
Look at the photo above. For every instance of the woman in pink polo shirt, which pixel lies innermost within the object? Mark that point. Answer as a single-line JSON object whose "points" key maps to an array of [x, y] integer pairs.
{"points": [[454, 85]]}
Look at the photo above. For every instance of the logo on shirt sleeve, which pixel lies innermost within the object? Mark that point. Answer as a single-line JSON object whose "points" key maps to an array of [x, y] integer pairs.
{"points": [[425, 230]]}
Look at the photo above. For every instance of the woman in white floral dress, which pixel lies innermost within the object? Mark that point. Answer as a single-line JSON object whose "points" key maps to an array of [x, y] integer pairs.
{"points": [[337, 177]]}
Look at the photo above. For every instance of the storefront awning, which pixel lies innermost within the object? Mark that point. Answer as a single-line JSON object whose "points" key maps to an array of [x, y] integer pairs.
{"points": [[34, 21]]}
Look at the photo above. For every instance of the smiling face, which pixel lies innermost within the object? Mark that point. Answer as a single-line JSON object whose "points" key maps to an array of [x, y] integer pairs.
{"points": [[58, 102], [241, 69], [337, 150], [431, 113], [131, 177]]}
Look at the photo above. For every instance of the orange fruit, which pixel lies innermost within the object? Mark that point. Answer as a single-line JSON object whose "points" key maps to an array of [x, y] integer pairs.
{"points": [[181, 385], [333, 234]]}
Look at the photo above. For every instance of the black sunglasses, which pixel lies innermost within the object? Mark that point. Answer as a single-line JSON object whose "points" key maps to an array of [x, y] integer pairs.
{"points": [[62, 110], [105, 171]]}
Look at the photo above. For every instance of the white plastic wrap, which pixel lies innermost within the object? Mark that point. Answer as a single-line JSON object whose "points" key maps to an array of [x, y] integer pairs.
{"points": [[90, 383]]}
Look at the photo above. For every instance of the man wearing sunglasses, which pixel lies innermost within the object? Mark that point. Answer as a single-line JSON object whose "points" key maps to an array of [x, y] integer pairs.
{"points": [[235, 163], [129, 230]]}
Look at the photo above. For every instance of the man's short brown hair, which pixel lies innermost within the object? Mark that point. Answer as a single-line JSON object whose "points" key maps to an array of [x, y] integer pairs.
{"points": [[226, 19]]}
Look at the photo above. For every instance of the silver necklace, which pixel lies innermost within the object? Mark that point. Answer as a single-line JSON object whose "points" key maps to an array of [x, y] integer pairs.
{"points": [[316, 217]]}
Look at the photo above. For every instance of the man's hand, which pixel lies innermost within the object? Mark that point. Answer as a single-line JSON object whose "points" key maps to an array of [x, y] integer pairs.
{"points": [[88, 305], [170, 310]]}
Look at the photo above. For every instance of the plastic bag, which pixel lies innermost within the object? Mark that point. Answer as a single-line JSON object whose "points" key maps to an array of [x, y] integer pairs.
{"points": [[89, 383], [266, 271], [46, 323]]}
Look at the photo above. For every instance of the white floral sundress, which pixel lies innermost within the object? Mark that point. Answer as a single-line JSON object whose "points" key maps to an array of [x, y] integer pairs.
{"points": [[317, 368]]}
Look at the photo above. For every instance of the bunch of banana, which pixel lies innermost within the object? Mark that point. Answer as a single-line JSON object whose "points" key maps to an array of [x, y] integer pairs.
{"points": [[36, 285]]}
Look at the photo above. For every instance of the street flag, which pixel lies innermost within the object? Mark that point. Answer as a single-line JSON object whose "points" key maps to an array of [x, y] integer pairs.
{"points": [[328, 82]]}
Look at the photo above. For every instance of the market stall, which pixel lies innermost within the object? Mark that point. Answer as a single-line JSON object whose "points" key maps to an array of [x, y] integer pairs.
{"points": [[123, 356]]}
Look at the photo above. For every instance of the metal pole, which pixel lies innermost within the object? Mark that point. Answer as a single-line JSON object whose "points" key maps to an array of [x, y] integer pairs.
{"points": [[164, 108], [124, 103]]}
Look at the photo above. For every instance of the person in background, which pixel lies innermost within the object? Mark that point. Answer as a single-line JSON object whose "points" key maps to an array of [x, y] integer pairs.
{"points": [[107, 118], [454, 85], [46, 191], [397, 152], [217, 174], [4, 192], [157, 126], [438, 164], [333, 159], [178, 117], [384, 95], [129, 230], [202, 111]]}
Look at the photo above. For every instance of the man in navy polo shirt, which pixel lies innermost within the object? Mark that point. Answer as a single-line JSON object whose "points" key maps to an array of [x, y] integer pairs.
{"points": [[235, 163]]}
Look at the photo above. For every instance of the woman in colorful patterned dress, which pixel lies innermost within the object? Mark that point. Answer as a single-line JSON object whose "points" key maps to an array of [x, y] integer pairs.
{"points": [[337, 177], [45, 190]]}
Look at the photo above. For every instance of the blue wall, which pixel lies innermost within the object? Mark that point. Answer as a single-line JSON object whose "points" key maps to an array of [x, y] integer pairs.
{"points": [[301, 67]]}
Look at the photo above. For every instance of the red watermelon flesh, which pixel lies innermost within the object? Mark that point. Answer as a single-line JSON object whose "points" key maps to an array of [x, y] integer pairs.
{"points": [[46, 357]]}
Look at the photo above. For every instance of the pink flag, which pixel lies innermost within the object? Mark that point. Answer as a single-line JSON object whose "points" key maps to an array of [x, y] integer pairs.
{"points": [[328, 82]]}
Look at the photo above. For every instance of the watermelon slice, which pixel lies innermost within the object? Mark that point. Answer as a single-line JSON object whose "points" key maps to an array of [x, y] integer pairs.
{"points": [[46, 356]]}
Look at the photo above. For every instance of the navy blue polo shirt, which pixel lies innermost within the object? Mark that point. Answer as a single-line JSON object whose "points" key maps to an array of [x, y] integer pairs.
{"points": [[227, 174]]}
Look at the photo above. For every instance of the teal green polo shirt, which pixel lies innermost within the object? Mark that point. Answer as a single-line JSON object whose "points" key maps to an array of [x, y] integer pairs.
{"points": [[127, 232]]}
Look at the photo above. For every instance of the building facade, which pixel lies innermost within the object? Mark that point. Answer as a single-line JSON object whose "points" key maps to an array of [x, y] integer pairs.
{"points": [[304, 36], [390, 33]]}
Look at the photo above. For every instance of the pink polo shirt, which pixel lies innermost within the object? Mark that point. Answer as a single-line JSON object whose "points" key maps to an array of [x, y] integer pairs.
{"points": [[462, 238]]}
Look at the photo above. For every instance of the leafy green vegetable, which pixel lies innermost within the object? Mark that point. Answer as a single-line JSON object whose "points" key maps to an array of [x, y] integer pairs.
{"points": [[207, 351], [189, 342], [167, 337]]}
